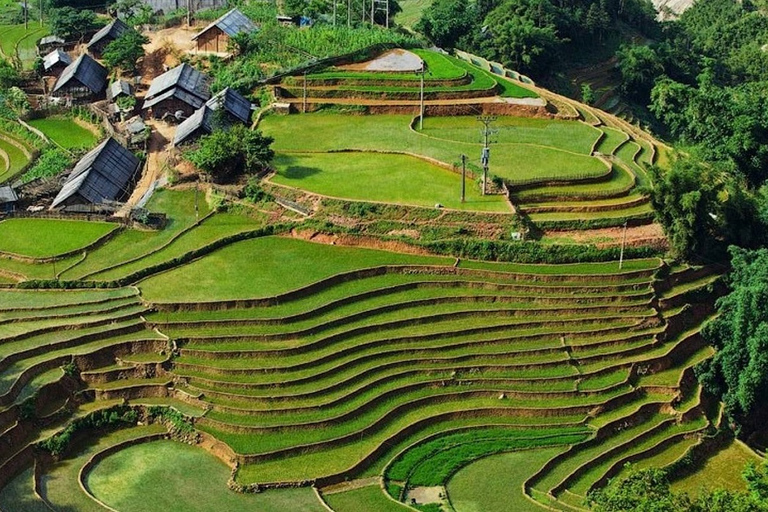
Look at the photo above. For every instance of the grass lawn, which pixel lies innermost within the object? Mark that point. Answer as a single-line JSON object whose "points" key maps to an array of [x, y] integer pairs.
{"points": [[399, 179], [40, 238], [140, 478], [721, 471], [65, 132], [494, 484], [16, 160], [326, 132], [566, 135], [264, 267], [370, 498]]}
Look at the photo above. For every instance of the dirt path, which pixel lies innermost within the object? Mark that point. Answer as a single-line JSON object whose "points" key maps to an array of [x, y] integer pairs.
{"points": [[608, 237], [157, 155]]}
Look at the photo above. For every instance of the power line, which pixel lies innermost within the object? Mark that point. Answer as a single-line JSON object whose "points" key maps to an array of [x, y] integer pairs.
{"points": [[485, 157]]}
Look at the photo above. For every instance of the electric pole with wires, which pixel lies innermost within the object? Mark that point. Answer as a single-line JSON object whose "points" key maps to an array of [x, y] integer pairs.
{"points": [[485, 156]]}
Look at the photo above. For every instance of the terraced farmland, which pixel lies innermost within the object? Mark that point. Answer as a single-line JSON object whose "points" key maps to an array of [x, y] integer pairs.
{"points": [[15, 155]]}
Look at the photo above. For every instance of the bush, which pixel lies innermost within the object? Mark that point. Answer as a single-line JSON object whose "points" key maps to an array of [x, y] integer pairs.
{"points": [[52, 162], [226, 154], [119, 415]]}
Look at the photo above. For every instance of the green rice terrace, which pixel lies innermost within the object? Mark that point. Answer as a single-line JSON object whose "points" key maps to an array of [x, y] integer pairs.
{"points": [[340, 342]]}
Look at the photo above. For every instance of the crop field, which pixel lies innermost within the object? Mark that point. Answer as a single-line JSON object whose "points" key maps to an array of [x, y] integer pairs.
{"points": [[399, 179], [65, 132], [13, 156], [51, 237], [296, 354], [19, 44]]}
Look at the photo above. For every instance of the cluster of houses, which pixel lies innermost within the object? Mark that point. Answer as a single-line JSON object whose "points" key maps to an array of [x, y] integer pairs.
{"points": [[182, 94]]}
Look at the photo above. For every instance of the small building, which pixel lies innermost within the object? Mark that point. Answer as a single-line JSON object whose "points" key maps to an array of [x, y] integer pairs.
{"points": [[136, 130], [117, 89], [83, 79], [8, 199], [55, 62], [177, 92], [106, 35], [286, 21], [49, 43], [215, 37], [106, 173], [230, 103]]}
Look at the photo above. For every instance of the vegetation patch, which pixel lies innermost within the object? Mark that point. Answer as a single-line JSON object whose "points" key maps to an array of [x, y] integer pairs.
{"points": [[44, 238]]}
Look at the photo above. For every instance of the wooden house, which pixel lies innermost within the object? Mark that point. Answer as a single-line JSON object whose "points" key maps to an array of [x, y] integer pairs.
{"points": [[178, 92], [56, 62], [215, 37], [84, 79], [106, 35], [8, 199], [232, 106], [106, 173]]}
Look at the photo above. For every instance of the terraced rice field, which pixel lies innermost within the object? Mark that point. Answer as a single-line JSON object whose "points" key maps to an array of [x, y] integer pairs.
{"points": [[14, 157], [19, 44], [370, 364], [65, 132], [45, 238]]}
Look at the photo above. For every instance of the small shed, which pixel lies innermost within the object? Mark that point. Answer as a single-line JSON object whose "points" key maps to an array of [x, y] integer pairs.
{"points": [[215, 37], [233, 106], [48, 43], [106, 35], [55, 62], [286, 21], [182, 89], [8, 199], [106, 173], [136, 130], [83, 79], [117, 89]]}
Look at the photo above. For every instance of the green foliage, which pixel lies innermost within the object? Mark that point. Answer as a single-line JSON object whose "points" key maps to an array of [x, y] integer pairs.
{"points": [[639, 66], [226, 154], [9, 76], [648, 490], [177, 421], [27, 408], [126, 103], [686, 199], [445, 21], [587, 94], [254, 193], [133, 12], [52, 162], [120, 415], [72, 24], [125, 51], [738, 372], [71, 370]]}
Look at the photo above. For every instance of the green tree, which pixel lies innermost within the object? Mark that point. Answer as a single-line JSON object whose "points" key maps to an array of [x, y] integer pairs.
{"points": [[227, 154], [125, 51], [587, 94], [9, 75], [70, 23], [444, 22], [641, 491], [685, 199], [639, 66], [738, 372], [598, 20]]}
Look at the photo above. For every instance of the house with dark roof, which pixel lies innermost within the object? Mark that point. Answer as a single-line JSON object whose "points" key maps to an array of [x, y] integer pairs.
{"points": [[106, 173], [215, 37], [106, 35], [230, 104], [118, 88], [48, 43], [55, 62], [8, 198], [83, 79], [182, 89]]}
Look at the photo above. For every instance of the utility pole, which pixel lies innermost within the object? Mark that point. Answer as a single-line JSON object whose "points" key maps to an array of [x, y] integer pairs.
{"points": [[41, 13], [373, 9], [334, 12], [623, 242], [463, 177], [197, 210], [189, 13], [349, 13], [26, 15], [421, 96], [304, 109], [485, 156]]}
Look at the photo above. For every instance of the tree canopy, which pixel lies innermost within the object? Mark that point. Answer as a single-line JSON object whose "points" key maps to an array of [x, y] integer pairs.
{"points": [[738, 372], [125, 51], [228, 153], [70, 23]]}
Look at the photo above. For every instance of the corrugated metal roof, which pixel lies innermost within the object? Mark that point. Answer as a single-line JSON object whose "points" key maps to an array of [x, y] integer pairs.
{"points": [[8, 195], [233, 103], [55, 57], [101, 175], [190, 99], [231, 23], [112, 31], [117, 88], [183, 76], [85, 70], [51, 40], [197, 123]]}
